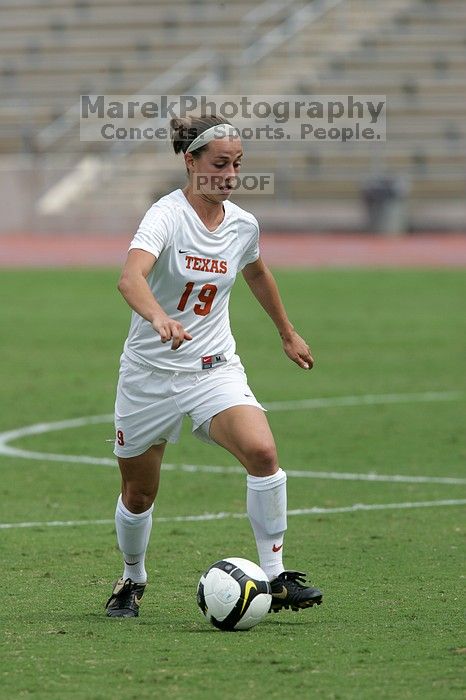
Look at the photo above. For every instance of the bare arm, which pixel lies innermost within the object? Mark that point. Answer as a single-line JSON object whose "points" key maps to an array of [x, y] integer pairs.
{"points": [[264, 288], [136, 291]]}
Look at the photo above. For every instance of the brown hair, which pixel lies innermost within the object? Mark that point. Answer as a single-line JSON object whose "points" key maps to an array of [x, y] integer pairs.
{"points": [[184, 130]]}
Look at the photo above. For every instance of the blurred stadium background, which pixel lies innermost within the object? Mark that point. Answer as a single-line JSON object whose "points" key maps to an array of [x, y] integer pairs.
{"points": [[380, 419], [413, 51]]}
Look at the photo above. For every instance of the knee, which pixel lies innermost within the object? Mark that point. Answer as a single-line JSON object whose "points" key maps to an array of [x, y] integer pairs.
{"points": [[262, 460], [135, 500]]}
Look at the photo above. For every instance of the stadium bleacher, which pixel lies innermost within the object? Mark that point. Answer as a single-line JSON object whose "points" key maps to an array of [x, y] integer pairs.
{"points": [[413, 51]]}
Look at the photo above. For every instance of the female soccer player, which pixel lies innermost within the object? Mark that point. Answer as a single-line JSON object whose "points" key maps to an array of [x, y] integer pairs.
{"points": [[179, 358]]}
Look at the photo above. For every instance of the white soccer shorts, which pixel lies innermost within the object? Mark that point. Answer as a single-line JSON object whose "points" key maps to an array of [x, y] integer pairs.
{"points": [[151, 404]]}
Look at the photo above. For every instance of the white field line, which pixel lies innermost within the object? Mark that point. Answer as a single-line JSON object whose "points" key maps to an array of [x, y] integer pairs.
{"points": [[41, 428], [367, 399], [331, 401], [357, 507], [213, 469], [337, 476]]}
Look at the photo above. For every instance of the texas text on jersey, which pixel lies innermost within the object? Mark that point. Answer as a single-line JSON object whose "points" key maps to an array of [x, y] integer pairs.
{"points": [[191, 280]]}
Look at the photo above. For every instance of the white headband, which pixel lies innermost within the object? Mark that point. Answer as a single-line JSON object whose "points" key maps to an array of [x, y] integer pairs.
{"points": [[218, 131]]}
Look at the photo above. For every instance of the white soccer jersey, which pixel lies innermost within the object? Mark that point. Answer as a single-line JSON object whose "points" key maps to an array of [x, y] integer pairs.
{"points": [[191, 280]]}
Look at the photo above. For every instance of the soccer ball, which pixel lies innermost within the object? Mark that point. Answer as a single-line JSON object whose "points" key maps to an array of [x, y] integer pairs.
{"points": [[234, 594]]}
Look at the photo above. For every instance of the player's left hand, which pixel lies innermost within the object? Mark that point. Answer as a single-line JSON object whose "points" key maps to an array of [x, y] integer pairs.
{"points": [[298, 350]]}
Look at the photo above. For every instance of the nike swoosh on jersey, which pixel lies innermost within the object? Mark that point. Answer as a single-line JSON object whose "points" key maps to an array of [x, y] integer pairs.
{"points": [[182, 251]]}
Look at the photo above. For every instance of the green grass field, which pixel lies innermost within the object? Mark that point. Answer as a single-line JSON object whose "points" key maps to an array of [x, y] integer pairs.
{"points": [[392, 624]]}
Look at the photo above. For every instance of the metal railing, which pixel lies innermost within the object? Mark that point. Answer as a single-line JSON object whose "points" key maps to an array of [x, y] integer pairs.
{"points": [[294, 23], [163, 84], [298, 17]]}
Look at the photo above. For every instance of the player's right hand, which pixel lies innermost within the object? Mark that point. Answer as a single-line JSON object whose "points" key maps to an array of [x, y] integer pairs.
{"points": [[168, 329]]}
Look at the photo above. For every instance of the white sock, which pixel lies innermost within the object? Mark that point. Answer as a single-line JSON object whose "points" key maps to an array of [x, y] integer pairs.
{"points": [[133, 532], [266, 505]]}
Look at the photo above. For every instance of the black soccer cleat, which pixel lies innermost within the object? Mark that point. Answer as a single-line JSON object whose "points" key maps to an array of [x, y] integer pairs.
{"points": [[125, 599], [289, 591]]}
